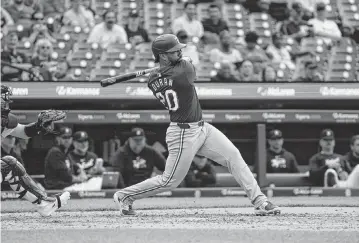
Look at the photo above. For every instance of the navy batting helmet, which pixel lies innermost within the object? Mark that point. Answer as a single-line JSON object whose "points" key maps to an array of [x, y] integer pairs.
{"points": [[165, 43]]}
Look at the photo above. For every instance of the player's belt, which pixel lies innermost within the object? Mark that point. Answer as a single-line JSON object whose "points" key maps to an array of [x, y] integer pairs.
{"points": [[188, 125]]}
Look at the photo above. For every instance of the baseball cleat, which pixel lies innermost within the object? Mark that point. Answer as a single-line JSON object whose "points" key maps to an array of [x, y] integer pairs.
{"points": [[46, 208], [125, 207], [267, 208]]}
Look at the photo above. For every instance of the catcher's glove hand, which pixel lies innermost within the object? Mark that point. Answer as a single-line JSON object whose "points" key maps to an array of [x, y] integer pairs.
{"points": [[46, 119]]}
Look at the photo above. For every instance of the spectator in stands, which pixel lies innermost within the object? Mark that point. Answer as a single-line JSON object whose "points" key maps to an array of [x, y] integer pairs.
{"points": [[353, 156], [214, 25], [311, 73], [39, 29], [279, 160], [257, 6], [246, 72], [88, 4], [135, 33], [42, 59], [190, 50], [78, 15], [108, 32], [188, 21], [58, 168], [62, 72], [225, 74], [295, 27], [269, 74], [36, 5], [136, 160], [201, 173], [327, 159], [278, 53], [18, 10], [322, 27], [83, 158], [6, 3], [225, 51], [254, 53], [6, 21], [42, 53], [53, 7], [12, 56]]}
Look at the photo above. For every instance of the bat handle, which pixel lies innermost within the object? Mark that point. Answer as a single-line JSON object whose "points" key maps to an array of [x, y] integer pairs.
{"points": [[108, 81]]}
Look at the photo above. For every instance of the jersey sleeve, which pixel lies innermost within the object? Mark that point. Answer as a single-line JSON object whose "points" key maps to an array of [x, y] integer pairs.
{"points": [[186, 71]]}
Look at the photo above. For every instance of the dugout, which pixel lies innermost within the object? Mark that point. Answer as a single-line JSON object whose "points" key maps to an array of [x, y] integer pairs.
{"points": [[243, 112]]}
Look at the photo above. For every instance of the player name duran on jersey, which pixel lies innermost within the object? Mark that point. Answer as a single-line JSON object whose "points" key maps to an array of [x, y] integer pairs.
{"points": [[161, 83], [174, 87]]}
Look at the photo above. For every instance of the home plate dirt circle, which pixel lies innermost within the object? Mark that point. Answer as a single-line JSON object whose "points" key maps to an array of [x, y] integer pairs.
{"points": [[185, 220], [185, 225]]}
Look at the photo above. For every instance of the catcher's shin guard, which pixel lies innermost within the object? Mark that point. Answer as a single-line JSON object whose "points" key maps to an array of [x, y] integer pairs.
{"points": [[13, 172]]}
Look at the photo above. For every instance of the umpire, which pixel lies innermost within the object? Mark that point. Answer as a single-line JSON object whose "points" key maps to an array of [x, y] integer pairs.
{"points": [[136, 160]]}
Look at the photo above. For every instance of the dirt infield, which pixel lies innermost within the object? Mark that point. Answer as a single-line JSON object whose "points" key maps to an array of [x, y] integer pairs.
{"points": [[185, 220]]}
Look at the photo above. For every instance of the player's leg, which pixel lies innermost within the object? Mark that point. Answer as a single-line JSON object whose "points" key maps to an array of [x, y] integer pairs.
{"points": [[13, 172], [220, 149], [183, 144]]}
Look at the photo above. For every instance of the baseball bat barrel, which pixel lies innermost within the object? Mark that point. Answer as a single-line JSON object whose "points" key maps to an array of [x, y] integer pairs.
{"points": [[124, 77]]}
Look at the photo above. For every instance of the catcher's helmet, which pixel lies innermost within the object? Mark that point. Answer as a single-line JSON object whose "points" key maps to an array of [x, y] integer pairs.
{"points": [[165, 43], [5, 98], [5, 107]]}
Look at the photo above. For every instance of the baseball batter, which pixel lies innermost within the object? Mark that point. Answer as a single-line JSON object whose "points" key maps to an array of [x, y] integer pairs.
{"points": [[12, 170], [187, 134]]}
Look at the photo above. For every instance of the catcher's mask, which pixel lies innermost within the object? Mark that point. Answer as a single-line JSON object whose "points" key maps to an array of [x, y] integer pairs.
{"points": [[5, 100]]}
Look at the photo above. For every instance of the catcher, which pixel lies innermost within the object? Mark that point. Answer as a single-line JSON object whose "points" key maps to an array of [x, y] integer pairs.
{"points": [[12, 170]]}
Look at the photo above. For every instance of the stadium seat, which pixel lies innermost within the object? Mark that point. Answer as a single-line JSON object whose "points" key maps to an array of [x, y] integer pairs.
{"points": [[84, 65], [205, 75], [98, 74], [118, 55], [264, 26], [93, 47], [79, 74], [158, 18], [118, 65], [237, 18], [25, 47], [89, 56], [143, 64]]}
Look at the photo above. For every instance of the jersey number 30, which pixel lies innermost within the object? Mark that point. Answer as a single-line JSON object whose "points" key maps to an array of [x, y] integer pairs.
{"points": [[169, 99]]}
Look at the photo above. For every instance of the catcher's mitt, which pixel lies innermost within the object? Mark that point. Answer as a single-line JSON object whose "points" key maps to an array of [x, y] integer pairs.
{"points": [[46, 119]]}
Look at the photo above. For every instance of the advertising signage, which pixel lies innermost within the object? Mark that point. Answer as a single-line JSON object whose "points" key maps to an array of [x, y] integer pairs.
{"points": [[209, 91]]}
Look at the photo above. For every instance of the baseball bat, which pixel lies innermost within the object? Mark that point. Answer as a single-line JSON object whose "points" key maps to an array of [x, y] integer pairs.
{"points": [[124, 77]]}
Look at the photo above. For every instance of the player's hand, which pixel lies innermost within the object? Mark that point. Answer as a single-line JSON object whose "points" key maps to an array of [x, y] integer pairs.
{"points": [[46, 119]]}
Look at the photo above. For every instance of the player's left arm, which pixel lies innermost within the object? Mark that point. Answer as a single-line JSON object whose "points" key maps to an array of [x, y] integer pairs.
{"points": [[187, 70], [44, 124]]}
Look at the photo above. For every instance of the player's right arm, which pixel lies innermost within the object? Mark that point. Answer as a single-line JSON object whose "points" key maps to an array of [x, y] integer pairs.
{"points": [[185, 71]]}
